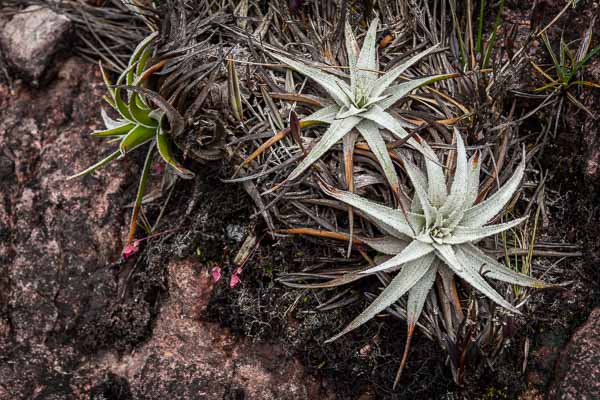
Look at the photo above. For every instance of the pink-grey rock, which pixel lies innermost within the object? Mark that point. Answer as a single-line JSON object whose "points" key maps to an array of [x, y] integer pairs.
{"points": [[578, 369], [31, 38], [57, 237], [188, 358]]}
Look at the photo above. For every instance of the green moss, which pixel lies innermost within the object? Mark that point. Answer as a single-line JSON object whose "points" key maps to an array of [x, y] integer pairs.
{"points": [[495, 393]]}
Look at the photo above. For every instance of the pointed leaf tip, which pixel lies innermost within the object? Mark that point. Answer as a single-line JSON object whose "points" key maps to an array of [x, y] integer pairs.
{"points": [[483, 212]]}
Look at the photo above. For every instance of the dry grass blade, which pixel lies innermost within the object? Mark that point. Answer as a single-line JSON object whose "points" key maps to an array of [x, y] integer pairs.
{"points": [[235, 96]]}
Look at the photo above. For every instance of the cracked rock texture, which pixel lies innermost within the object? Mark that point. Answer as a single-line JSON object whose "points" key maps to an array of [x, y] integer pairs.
{"points": [[70, 327], [31, 38], [578, 369]]}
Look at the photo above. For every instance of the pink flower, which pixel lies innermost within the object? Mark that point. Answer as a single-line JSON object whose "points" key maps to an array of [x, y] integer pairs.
{"points": [[216, 273], [235, 279], [131, 249]]}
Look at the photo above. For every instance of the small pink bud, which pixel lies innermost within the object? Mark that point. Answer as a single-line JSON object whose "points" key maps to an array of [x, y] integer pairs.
{"points": [[216, 274], [131, 249], [158, 168], [233, 282]]}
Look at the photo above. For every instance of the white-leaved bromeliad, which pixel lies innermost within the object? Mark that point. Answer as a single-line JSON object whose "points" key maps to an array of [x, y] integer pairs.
{"points": [[362, 103], [437, 236]]}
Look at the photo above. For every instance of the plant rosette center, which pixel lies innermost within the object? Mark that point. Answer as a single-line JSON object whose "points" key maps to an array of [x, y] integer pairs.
{"points": [[359, 102], [362, 102], [436, 233]]}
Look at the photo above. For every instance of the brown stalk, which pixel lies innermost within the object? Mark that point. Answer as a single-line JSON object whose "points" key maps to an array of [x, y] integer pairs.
{"points": [[445, 304], [318, 233], [349, 142], [367, 151], [274, 139], [411, 330], [298, 98]]}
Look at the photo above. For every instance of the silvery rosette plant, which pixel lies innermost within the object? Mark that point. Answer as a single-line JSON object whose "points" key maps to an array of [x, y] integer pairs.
{"points": [[139, 123], [361, 104], [438, 235]]}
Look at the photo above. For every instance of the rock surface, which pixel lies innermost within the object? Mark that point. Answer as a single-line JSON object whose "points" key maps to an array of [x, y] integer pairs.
{"points": [[188, 358], [578, 369], [71, 325], [58, 236], [31, 38]]}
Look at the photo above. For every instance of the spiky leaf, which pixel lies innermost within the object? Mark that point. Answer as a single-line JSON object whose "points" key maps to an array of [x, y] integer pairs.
{"points": [[408, 276], [379, 85], [336, 131], [412, 252], [370, 132], [483, 212], [335, 87]]}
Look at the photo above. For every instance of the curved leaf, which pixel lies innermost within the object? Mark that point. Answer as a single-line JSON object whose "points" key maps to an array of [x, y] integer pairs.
{"points": [[483, 212], [325, 115], [420, 186], [337, 88], [136, 137], [436, 180], [387, 245], [119, 130], [370, 132], [460, 184], [139, 54], [413, 251], [366, 65], [122, 107], [467, 269], [379, 85], [418, 294], [107, 81], [353, 51], [164, 148], [338, 129], [137, 207], [385, 215], [96, 166], [493, 269], [386, 121], [141, 116], [108, 121], [176, 121], [462, 234], [143, 60], [414, 306], [395, 93], [474, 170]]}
